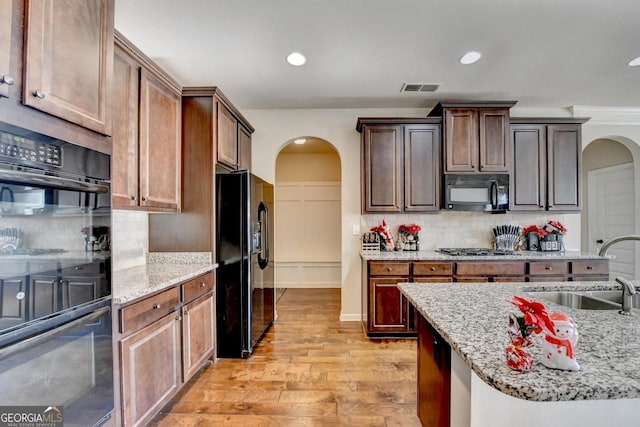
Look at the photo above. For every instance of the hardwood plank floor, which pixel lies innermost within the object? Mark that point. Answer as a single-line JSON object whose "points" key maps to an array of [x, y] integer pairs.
{"points": [[310, 369]]}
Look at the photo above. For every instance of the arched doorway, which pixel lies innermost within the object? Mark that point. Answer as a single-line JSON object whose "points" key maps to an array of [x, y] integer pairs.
{"points": [[308, 214], [610, 196]]}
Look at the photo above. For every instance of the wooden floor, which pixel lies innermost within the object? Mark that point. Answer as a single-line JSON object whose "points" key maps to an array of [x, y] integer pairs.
{"points": [[309, 370]]}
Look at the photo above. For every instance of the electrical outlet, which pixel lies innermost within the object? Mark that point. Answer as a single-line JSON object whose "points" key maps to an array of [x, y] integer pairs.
{"points": [[356, 229]]}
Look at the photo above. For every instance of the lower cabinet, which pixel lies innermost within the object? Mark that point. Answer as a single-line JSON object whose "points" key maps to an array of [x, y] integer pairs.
{"points": [[198, 330], [163, 340], [388, 308], [150, 368], [434, 377]]}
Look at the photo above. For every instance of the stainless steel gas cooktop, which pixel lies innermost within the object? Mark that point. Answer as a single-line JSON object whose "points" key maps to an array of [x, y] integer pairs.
{"points": [[474, 252]]}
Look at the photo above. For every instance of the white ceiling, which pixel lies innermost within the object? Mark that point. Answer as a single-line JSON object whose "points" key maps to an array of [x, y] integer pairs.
{"points": [[542, 53]]}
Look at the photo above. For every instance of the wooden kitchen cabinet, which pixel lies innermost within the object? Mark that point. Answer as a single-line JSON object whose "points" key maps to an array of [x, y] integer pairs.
{"points": [[491, 271], [68, 60], [434, 377], [7, 78], [163, 340], [546, 163], [150, 369], [146, 166], [388, 308], [475, 135], [400, 165], [233, 137]]}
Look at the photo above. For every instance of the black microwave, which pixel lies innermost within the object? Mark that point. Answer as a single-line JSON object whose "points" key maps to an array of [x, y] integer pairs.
{"points": [[476, 192]]}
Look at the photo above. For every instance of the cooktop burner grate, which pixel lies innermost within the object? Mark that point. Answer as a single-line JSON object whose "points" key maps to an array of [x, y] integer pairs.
{"points": [[474, 252]]}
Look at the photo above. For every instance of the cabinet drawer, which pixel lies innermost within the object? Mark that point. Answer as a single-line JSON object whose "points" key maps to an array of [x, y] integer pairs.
{"points": [[43, 267], [389, 268], [546, 268], [432, 268], [79, 269], [433, 279], [196, 287], [490, 268], [142, 313], [589, 267]]}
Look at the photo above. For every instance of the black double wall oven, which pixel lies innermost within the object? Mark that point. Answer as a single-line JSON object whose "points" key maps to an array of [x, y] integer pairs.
{"points": [[55, 277]]}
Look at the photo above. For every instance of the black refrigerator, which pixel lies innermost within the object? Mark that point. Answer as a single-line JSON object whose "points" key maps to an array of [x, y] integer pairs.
{"points": [[244, 252]]}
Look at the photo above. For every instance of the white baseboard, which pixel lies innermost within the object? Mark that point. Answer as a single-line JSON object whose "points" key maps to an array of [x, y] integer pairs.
{"points": [[305, 274], [350, 317]]}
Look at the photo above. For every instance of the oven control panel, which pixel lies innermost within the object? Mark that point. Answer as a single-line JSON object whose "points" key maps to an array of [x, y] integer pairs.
{"points": [[21, 148]]}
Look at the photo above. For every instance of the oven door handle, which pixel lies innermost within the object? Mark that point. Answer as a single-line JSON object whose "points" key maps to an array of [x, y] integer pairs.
{"points": [[49, 335], [39, 180]]}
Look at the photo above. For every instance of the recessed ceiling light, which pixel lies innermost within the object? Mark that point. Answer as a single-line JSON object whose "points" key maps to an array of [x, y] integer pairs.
{"points": [[470, 57], [300, 141], [296, 58], [634, 62]]}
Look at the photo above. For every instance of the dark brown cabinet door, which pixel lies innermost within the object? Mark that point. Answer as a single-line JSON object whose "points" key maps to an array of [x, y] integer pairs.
{"points": [[160, 148], [227, 137], [387, 307], [529, 168], [68, 59], [434, 377], [382, 169], [12, 292], [564, 148], [6, 77], [150, 369], [461, 140], [197, 334], [244, 148], [43, 296], [494, 140], [421, 168], [124, 156]]}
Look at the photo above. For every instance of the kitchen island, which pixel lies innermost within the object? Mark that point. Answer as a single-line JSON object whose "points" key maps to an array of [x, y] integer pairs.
{"points": [[472, 319]]}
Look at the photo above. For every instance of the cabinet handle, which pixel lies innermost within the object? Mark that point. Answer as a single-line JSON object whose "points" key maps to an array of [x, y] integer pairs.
{"points": [[389, 269], [78, 268], [589, 267], [156, 306], [134, 198], [202, 285], [144, 199], [6, 80], [433, 269], [39, 94], [548, 268]]}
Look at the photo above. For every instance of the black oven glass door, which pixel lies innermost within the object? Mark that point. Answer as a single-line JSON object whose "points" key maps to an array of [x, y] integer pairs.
{"points": [[67, 363]]}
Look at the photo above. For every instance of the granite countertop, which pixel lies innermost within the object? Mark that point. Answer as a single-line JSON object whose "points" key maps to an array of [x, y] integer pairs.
{"points": [[161, 271], [608, 348], [437, 256]]}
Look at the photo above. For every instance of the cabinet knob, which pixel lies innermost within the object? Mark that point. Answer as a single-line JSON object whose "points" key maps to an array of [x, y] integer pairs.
{"points": [[39, 94], [589, 267], [78, 268], [389, 269], [202, 285], [144, 199], [433, 269], [548, 268], [6, 80], [156, 306]]}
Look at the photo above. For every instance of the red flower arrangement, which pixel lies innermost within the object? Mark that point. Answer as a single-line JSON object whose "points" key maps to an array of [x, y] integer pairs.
{"points": [[411, 229], [535, 320], [555, 227], [541, 232]]}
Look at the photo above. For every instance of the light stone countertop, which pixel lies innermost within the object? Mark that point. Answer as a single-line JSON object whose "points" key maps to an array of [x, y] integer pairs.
{"points": [[162, 271], [437, 256], [473, 318]]}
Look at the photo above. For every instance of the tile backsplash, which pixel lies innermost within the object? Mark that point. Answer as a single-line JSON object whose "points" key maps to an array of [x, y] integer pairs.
{"points": [[129, 238], [469, 229]]}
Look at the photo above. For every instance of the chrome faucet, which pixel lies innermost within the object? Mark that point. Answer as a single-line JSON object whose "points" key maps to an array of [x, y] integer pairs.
{"points": [[628, 290], [605, 247]]}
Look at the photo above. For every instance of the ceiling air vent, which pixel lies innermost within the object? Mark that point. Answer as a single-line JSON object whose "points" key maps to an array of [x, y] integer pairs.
{"points": [[419, 87]]}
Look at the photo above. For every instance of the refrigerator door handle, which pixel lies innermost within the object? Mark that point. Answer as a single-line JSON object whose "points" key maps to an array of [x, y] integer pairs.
{"points": [[263, 210]]}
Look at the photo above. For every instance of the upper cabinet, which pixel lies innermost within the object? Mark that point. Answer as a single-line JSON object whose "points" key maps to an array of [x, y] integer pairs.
{"points": [[546, 164], [147, 165], [475, 135], [233, 136], [6, 78], [68, 60], [400, 165]]}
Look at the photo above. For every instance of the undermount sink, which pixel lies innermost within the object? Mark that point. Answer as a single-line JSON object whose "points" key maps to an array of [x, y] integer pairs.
{"points": [[580, 300]]}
